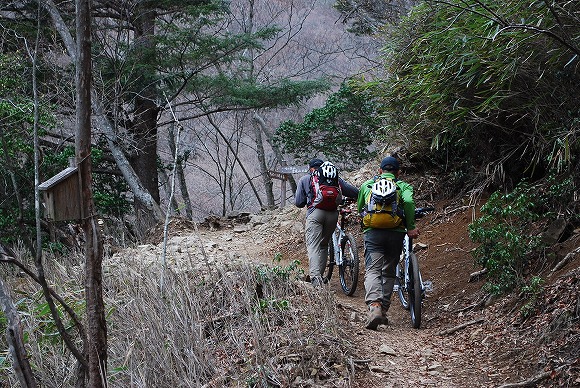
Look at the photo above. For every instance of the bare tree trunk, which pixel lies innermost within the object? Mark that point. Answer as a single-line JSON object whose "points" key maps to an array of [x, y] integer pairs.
{"points": [[173, 205], [184, 192], [181, 160], [249, 28], [144, 127], [13, 330], [96, 345], [260, 124], [268, 184], [16, 347], [270, 139], [139, 191]]}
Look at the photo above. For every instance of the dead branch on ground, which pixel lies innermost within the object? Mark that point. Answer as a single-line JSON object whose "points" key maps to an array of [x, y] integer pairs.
{"points": [[460, 327], [531, 382], [565, 260], [474, 276]]}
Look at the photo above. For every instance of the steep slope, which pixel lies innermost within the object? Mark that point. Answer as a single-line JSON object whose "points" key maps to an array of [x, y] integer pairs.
{"points": [[466, 340]]}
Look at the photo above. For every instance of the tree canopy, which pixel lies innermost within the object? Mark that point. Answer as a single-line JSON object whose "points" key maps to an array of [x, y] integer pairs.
{"points": [[343, 130], [486, 87], [485, 92]]}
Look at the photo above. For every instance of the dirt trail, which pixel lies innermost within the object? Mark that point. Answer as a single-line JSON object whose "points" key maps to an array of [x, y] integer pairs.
{"points": [[490, 351], [397, 354]]}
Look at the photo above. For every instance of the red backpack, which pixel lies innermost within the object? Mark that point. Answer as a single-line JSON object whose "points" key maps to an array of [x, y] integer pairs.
{"points": [[325, 186]]}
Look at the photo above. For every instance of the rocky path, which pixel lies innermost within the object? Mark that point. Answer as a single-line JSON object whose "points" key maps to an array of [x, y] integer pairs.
{"points": [[484, 346], [396, 355]]}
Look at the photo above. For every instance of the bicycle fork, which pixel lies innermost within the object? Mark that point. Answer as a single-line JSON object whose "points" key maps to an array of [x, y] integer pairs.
{"points": [[337, 238], [404, 283], [403, 278]]}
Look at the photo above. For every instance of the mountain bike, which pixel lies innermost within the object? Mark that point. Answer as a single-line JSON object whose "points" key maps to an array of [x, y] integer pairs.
{"points": [[343, 252], [409, 283]]}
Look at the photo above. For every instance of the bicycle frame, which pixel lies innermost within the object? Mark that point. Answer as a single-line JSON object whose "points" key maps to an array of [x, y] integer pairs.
{"points": [[339, 235], [409, 284], [343, 253]]}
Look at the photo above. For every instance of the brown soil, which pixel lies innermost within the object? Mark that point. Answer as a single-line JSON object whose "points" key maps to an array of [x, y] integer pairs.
{"points": [[491, 345], [423, 357], [495, 348]]}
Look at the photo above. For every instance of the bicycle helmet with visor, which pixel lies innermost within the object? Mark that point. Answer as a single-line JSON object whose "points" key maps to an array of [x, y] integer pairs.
{"points": [[328, 170], [384, 189]]}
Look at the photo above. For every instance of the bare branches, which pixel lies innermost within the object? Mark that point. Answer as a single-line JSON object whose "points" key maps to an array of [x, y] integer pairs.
{"points": [[368, 16], [237, 157], [50, 294]]}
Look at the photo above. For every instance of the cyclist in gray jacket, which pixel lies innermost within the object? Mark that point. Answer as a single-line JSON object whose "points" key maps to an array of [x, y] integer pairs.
{"points": [[319, 223]]}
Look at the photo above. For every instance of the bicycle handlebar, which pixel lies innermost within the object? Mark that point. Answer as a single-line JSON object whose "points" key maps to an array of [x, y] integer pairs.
{"points": [[347, 201], [419, 212], [422, 211]]}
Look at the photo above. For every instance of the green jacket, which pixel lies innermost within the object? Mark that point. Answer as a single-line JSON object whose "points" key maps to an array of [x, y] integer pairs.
{"points": [[406, 196]]}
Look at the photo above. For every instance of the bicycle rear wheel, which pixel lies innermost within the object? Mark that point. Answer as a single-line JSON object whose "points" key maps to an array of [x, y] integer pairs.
{"points": [[400, 282], [327, 274], [414, 290], [349, 269]]}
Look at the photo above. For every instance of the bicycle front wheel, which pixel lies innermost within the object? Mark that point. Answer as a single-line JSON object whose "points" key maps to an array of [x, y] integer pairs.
{"points": [[349, 268], [415, 291], [327, 274]]}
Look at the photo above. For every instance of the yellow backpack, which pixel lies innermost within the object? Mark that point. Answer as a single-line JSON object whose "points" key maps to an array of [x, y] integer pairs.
{"points": [[384, 206]]}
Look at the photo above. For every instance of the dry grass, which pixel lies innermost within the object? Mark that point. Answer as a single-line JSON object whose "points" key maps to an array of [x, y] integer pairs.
{"points": [[234, 325]]}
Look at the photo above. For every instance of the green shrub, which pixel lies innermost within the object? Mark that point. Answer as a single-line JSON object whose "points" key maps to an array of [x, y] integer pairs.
{"points": [[503, 234], [271, 277], [531, 292], [292, 270], [509, 229]]}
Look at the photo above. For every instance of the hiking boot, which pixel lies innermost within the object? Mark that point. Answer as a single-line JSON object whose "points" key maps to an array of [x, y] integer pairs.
{"points": [[376, 316], [317, 282]]}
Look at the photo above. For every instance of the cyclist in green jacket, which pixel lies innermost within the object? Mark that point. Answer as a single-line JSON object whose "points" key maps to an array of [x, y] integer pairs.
{"points": [[384, 244]]}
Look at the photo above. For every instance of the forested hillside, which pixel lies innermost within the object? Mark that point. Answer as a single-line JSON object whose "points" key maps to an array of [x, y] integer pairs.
{"points": [[118, 117]]}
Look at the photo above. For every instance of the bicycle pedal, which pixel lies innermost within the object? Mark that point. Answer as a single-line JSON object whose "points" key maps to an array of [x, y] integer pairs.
{"points": [[428, 285]]}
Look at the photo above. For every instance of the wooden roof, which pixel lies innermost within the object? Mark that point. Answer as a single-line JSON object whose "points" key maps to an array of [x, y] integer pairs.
{"points": [[57, 178]]}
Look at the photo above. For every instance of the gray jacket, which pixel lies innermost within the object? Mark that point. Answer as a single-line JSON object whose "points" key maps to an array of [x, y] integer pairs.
{"points": [[304, 194]]}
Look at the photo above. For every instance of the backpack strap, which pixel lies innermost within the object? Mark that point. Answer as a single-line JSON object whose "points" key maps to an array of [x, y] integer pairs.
{"points": [[313, 188]]}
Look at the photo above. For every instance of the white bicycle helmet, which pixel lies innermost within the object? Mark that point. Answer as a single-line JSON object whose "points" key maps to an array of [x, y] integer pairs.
{"points": [[384, 188], [328, 170]]}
